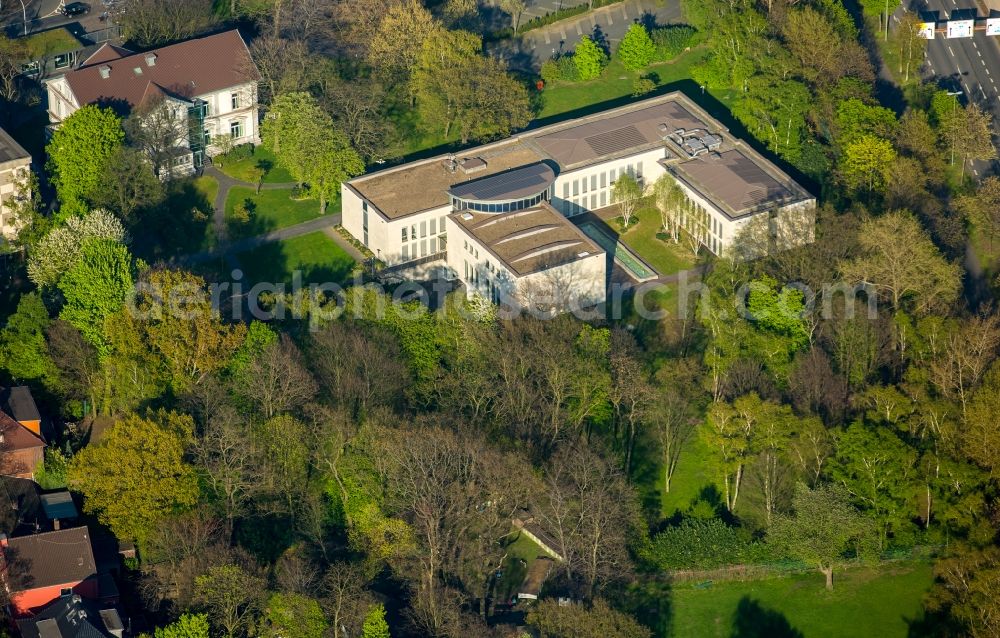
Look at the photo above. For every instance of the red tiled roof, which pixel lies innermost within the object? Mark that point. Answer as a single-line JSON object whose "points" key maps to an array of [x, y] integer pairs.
{"points": [[186, 69], [16, 436]]}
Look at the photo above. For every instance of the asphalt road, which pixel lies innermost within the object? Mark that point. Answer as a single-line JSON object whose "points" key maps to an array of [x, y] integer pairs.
{"points": [[970, 65]]}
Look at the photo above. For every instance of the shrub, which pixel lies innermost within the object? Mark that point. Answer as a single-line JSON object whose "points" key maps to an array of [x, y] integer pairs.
{"points": [[299, 193], [672, 40], [567, 69], [241, 152], [636, 50], [243, 211], [703, 544], [550, 71], [51, 474], [590, 59], [642, 86]]}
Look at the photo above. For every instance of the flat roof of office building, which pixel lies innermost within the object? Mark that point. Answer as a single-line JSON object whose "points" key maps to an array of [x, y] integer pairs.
{"points": [[11, 151], [530, 240], [669, 121]]}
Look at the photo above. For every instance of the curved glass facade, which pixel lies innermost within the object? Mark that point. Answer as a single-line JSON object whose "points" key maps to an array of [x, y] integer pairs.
{"points": [[499, 207]]}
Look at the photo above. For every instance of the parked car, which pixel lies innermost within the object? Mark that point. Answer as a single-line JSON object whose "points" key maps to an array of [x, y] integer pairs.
{"points": [[76, 9]]}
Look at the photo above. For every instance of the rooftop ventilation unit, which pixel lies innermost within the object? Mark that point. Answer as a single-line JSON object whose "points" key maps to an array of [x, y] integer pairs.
{"points": [[449, 163], [105, 71], [137, 70], [585, 253], [467, 216], [472, 165], [150, 59]]}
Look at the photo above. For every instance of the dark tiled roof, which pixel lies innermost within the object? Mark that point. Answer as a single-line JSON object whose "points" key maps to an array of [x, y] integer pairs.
{"points": [[54, 558], [186, 69], [18, 402], [106, 53], [71, 617], [11, 150]]}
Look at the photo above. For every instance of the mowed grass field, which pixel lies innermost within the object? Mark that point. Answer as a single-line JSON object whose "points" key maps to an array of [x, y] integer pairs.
{"points": [[319, 258], [865, 603]]}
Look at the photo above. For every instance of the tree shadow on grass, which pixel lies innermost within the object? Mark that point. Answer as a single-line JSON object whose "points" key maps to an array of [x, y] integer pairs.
{"points": [[177, 226], [753, 620]]}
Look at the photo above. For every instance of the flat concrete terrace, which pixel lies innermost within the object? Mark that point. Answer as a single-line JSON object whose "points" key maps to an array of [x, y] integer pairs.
{"points": [[530, 240], [418, 186], [738, 180]]}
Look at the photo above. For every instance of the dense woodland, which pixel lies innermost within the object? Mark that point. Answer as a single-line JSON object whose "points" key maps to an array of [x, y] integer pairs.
{"points": [[357, 476]]}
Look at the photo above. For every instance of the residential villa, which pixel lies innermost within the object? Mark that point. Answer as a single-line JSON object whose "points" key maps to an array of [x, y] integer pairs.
{"points": [[15, 165], [208, 86], [500, 215], [41, 568]]}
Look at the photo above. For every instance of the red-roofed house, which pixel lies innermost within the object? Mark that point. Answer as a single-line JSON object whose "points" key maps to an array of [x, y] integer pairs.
{"points": [[209, 84]]}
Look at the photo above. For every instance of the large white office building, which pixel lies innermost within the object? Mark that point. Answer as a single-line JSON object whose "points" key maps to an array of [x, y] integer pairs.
{"points": [[500, 215]]}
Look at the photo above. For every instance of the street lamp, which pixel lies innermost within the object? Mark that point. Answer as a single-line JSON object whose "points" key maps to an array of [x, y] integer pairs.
{"points": [[24, 15]]}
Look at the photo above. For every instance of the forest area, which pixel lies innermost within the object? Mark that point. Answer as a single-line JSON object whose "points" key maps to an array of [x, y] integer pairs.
{"points": [[824, 410]]}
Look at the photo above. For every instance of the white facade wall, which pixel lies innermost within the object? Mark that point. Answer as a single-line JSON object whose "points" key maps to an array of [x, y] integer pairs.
{"points": [[61, 101], [424, 232], [579, 284], [12, 175], [589, 188], [233, 106]]}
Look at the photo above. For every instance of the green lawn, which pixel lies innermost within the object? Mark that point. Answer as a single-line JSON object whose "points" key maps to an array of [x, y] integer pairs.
{"points": [[616, 82], [665, 256], [691, 477], [318, 257], [865, 602], [208, 187], [261, 157], [51, 42], [520, 549], [272, 209]]}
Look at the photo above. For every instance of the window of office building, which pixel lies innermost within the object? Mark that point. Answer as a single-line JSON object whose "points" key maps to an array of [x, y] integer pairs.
{"points": [[584, 188], [434, 245], [434, 227], [406, 252], [441, 224], [423, 247], [593, 201], [604, 198], [604, 179], [404, 234], [423, 229], [593, 182], [576, 187], [565, 190]]}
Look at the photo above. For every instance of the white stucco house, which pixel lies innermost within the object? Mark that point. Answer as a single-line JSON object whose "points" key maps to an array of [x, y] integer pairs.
{"points": [[489, 211], [209, 85], [15, 165]]}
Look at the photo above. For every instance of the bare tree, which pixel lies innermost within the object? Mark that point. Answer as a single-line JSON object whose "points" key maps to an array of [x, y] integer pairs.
{"points": [[159, 128], [277, 381], [284, 66], [588, 508], [346, 600], [224, 452], [967, 354], [153, 22]]}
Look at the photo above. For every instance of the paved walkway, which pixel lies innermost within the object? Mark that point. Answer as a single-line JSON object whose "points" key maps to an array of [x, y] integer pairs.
{"points": [[228, 250]]}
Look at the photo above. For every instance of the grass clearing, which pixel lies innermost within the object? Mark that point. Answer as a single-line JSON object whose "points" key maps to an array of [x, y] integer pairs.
{"points": [[865, 602], [318, 257], [616, 83], [663, 255], [273, 174], [520, 553], [272, 209]]}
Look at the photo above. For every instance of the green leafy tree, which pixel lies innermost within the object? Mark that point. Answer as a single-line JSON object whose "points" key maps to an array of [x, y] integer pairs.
{"points": [[60, 248], [636, 50], [187, 626], [293, 616], [823, 528], [590, 58], [967, 588], [23, 349], [375, 624], [876, 467], [626, 192], [903, 265], [232, 595], [866, 162], [136, 474], [856, 119], [96, 287], [778, 310], [78, 152]]}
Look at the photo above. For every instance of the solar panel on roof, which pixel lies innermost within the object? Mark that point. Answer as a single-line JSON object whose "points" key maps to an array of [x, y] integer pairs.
{"points": [[615, 141]]}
